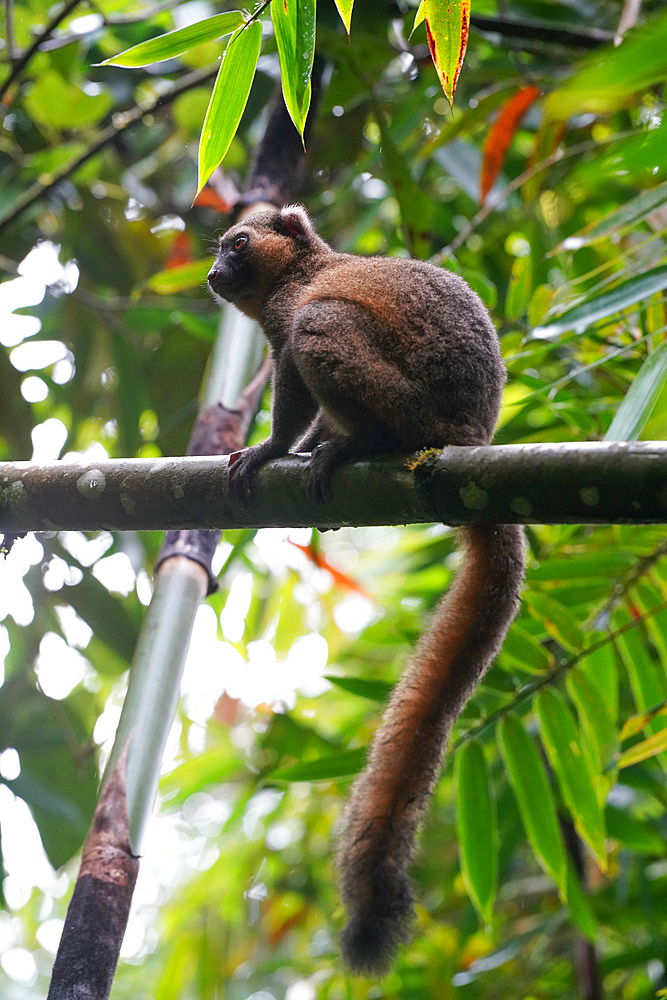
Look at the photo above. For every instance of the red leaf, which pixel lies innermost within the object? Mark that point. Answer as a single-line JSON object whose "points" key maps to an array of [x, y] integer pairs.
{"points": [[501, 135], [211, 199], [341, 579], [180, 251]]}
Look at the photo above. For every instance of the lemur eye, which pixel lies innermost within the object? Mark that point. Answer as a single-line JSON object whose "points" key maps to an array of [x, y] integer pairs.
{"points": [[239, 242]]}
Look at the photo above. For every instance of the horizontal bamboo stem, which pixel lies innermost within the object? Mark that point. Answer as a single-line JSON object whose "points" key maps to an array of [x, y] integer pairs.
{"points": [[532, 483]]}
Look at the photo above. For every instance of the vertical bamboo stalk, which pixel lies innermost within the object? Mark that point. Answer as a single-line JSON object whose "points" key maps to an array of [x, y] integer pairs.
{"points": [[97, 916]]}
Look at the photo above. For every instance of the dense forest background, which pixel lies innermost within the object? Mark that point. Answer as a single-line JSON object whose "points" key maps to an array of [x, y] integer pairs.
{"points": [[546, 188]]}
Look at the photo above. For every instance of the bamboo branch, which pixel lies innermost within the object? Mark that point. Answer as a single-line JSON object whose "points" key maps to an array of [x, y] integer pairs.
{"points": [[592, 483]]}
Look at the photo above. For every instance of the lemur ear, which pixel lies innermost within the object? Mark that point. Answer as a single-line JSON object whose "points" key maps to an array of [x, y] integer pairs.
{"points": [[296, 222]]}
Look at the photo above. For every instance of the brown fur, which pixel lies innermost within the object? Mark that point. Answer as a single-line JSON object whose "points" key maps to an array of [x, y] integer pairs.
{"points": [[372, 355]]}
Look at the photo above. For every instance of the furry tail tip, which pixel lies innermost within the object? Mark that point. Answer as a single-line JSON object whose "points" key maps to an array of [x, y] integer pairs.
{"points": [[370, 939]]}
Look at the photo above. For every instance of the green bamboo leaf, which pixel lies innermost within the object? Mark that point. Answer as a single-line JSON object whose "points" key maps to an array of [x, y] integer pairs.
{"points": [[229, 98], [573, 768], [647, 597], [415, 206], [536, 805], [594, 566], [596, 720], [179, 279], [419, 16], [345, 10], [637, 834], [519, 287], [477, 828], [175, 43], [556, 618], [600, 667], [647, 678], [650, 747], [635, 723], [372, 689], [611, 75], [294, 26], [337, 765], [580, 908], [628, 293], [524, 651], [633, 211], [641, 397]]}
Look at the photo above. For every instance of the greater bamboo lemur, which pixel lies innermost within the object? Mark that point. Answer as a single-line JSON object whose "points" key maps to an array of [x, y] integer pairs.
{"points": [[372, 355]]}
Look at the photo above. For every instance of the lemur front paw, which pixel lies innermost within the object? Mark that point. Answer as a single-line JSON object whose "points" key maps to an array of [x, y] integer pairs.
{"points": [[242, 469], [319, 480]]}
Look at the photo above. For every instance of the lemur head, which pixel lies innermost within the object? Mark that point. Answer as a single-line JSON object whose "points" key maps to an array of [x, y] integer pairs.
{"points": [[256, 253]]}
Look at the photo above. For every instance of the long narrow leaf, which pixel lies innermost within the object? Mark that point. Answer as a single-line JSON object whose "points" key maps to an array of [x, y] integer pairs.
{"points": [[638, 834], [336, 765], [633, 211], [501, 135], [642, 751], [596, 721], [580, 908], [447, 26], [175, 43], [573, 768], [229, 98], [634, 725], [180, 278], [294, 27], [477, 828], [646, 676], [536, 804], [519, 286], [628, 293], [345, 10], [375, 690], [305, 52], [640, 398], [419, 16]]}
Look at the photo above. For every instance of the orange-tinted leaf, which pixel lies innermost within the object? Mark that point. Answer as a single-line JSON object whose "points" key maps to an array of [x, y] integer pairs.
{"points": [[341, 579], [211, 199], [180, 252], [501, 135], [447, 26]]}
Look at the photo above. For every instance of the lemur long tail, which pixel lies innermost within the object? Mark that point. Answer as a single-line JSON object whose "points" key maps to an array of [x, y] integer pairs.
{"points": [[389, 798]]}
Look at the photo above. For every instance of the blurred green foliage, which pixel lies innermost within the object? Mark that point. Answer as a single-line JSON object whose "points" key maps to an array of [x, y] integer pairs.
{"points": [[239, 896]]}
